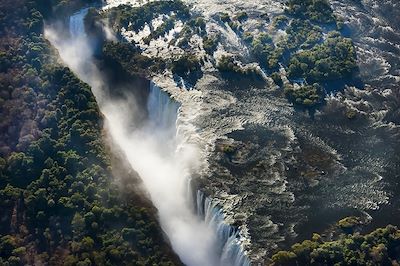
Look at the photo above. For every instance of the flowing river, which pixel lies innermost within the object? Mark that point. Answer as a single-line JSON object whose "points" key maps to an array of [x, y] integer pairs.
{"points": [[158, 152]]}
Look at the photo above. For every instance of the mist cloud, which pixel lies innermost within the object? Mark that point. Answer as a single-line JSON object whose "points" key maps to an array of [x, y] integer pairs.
{"points": [[150, 148]]}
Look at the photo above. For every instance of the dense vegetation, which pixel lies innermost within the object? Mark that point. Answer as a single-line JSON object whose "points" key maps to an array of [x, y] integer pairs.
{"points": [[302, 34], [227, 64], [59, 203], [267, 53], [307, 95], [135, 18], [380, 247], [312, 51], [315, 58], [125, 53], [316, 10], [186, 65], [332, 60]]}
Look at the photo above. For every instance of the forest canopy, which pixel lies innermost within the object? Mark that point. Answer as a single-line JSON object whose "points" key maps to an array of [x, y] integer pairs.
{"points": [[59, 202]]}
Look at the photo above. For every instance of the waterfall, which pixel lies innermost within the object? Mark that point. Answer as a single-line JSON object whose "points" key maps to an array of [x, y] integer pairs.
{"points": [[162, 110], [230, 249], [163, 113], [76, 25], [158, 152]]}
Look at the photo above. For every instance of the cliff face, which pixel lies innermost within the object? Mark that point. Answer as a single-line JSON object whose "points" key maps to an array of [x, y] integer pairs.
{"points": [[67, 197]]}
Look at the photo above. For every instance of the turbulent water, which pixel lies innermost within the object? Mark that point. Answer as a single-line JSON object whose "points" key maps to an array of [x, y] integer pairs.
{"points": [[290, 174], [161, 152]]}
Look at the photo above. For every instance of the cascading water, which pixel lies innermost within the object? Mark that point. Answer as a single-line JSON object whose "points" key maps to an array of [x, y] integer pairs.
{"points": [[76, 27], [163, 114], [159, 153], [229, 248]]}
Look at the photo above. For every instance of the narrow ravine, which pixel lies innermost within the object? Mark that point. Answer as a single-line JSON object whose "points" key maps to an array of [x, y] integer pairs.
{"points": [[158, 152]]}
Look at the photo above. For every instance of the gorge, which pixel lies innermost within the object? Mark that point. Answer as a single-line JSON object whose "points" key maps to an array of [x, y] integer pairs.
{"points": [[161, 154], [199, 132]]}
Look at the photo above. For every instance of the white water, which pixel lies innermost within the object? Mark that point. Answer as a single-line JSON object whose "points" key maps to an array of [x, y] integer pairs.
{"points": [[152, 150], [228, 246]]}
